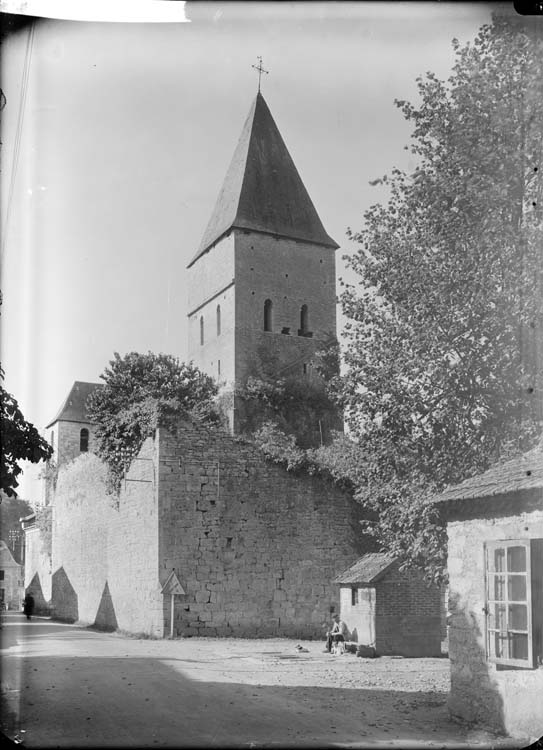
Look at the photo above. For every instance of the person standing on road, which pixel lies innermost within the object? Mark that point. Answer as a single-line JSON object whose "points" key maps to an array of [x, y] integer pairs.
{"points": [[28, 607]]}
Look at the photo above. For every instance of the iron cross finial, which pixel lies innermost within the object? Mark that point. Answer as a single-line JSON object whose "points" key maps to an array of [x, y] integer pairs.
{"points": [[260, 70]]}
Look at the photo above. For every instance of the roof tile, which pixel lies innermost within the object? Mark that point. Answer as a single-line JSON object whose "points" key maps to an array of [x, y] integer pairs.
{"points": [[74, 407], [524, 472], [367, 569]]}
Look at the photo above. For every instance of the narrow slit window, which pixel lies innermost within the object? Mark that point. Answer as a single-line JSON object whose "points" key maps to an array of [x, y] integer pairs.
{"points": [[201, 330], [84, 440], [268, 315], [304, 320], [218, 320]]}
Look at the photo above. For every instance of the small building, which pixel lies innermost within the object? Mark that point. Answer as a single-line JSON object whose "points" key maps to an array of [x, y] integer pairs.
{"points": [[11, 583], [395, 611], [495, 564]]}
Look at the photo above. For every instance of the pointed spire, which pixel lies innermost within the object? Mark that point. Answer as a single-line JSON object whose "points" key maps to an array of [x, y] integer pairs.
{"points": [[262, 190]]}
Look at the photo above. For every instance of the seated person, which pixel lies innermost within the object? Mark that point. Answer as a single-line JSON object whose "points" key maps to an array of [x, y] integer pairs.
{"points": [[336, 634]]}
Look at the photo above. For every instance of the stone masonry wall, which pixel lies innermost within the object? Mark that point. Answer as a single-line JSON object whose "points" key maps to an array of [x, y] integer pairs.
{"points": [[105, 562], [254, 546], [37, 570], [290, 274], [210, 283], [503, 699], [407, 615], [67, 440]]}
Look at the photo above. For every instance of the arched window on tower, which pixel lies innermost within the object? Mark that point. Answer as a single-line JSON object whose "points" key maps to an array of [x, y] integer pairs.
{"points": [[201, 330], [304, 321], [268, 315], [218, 320], [84, 440]]}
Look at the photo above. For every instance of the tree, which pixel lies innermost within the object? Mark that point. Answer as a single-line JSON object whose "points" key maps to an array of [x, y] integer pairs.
{"points": [[143, 392], [443, 335], [276, 398], [20, 442]]}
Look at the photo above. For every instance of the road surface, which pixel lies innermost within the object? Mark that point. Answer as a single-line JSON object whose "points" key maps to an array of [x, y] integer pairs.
{"points": [[64, 686]]}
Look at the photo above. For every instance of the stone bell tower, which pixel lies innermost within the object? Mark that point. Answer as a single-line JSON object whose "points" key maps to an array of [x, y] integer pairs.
{"points": [[262, 284]]}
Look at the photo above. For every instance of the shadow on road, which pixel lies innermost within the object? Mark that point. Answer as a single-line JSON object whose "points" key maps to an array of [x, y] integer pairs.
{"points": [[143, 702], [79, 689]]}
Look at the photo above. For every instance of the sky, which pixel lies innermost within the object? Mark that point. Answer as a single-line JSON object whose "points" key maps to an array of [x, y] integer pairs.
{"points": [[127, 132]]}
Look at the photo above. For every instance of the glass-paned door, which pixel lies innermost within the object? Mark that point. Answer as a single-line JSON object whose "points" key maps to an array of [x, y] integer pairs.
{"points": [[508, 603]]}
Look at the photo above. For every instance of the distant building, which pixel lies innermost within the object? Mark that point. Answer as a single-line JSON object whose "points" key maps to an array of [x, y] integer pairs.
{"points": [[394, 611], [495, 564], [11, 580]]}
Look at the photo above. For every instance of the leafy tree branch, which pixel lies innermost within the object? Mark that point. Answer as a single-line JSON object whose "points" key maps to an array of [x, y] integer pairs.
{"points": [[141, 393]]}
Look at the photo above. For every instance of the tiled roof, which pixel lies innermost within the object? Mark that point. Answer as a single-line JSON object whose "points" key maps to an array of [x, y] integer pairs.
{"points": [[524, 472], [74, 407], [368, 569], [262, 190]]}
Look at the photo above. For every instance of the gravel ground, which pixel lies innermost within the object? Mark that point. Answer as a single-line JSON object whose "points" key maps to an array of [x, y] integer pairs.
{"points": [[394, 701], [65, 686]]}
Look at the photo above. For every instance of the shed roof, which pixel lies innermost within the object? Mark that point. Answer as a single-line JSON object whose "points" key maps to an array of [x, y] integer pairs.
{"points": [[74, 408], [523, 472], [367, 569], [262, 190]]}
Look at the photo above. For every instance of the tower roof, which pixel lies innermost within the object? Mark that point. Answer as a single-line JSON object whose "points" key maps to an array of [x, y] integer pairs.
{"points": [[74, 408], [262, 190]]}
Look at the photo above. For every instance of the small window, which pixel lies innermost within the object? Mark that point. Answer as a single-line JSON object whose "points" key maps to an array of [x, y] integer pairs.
{"points": [[219, 368], [218, 320], [268, 315], [84, 440], [354, 597], [1, 575], [201, 330], [514, 608], [52, 439]]}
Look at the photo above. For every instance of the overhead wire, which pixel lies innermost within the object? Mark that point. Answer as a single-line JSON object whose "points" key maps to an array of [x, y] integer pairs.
{"points": [[18, 131]]}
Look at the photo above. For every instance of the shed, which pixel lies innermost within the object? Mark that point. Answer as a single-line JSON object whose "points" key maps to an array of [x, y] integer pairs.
{"points": [[393, 610], [495, 564]]}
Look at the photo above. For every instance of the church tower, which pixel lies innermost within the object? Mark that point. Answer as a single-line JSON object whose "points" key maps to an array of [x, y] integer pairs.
{"points": [[262, 284]]}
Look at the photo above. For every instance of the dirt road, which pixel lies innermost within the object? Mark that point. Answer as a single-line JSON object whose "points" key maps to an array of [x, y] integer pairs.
{"points": [[65, 686]]}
